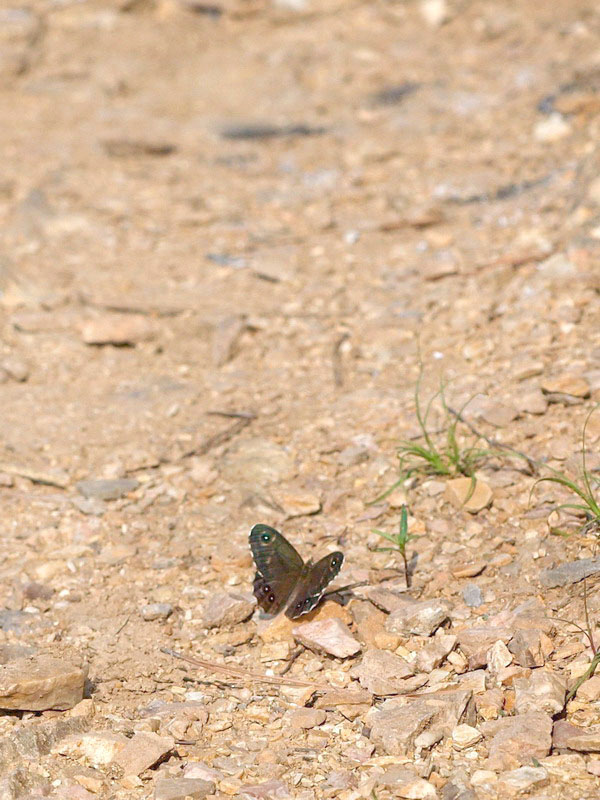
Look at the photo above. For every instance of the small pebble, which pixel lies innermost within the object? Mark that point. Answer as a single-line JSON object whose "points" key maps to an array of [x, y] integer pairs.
{"points": [[472, 595], [154, 611]]}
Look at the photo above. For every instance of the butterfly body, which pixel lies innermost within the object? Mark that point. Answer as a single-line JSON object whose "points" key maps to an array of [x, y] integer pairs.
{"points": [[283, 580]]}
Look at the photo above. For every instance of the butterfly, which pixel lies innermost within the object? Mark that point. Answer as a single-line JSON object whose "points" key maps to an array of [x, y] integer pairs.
{"points": [[283, 580]]}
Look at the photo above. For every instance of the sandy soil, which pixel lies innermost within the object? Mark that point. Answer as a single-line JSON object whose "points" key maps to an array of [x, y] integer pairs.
{"points": [[285, 211]]}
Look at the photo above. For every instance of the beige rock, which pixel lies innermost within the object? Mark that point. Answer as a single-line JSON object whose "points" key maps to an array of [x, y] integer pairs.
{"points": [[370, 622], [514, 741], [223, 609], [382, 673], [575, 385], [434, 12], [490, 703], [404, 782], [327, 636], [498, 657], [464, 736], [524, 367], [40, 683], [552, 128], [523, 779], [307, 718], [421, 617], [470, 569], [532, 402], [142, 751], [527, 648], [461, 493], [182, 788], [297, 502], [96, 748], [435, 651], [590, 690], [256, 462], [118, 329], [475, 643], [543, 691], [386, 599], [396, 725], [566, 736]]}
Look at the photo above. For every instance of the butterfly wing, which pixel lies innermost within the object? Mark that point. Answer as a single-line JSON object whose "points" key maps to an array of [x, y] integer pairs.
{"points": [[315, 579], [278, 568]]}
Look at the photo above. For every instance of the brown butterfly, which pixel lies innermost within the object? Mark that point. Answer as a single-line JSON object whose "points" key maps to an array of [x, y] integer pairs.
{"points": [[283, 579]]}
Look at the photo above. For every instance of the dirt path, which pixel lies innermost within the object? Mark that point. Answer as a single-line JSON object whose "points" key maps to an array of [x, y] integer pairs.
{"points": [[283, 211]]}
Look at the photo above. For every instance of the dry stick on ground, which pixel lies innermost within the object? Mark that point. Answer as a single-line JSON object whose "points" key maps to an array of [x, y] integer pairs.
{"points": [[493, 442], [243, 419], [336, 359], [239, 672]]}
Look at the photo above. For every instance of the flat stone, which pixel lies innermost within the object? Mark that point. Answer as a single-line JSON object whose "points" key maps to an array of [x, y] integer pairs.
{"points": [[589, 691], [382, 673], [571, 572], [154, 611], [421, 617], [461, 494], [343, 697], [464, 736], [514, 741], [532, 402], [472, 595], [498, 414], [31, 742], [224, 609], [40, 683], [329, 636], [566, 736], [256, 463], [18, 622], [386, 599], [118, 329], [542, 691], [307, 718], [182, 789], [574, 385], [370, 626], [469, 569], [107, 489], [523, 779], [97, 748], [296, 502], [142, 751], [397, 724]]}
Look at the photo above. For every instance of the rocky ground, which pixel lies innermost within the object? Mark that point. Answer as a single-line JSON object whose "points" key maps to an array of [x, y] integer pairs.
{"points": [[233, 234]]}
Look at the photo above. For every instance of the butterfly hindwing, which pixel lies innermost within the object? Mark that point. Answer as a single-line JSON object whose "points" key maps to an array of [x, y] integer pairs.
{"points": [[314, 581], [278, 568]]}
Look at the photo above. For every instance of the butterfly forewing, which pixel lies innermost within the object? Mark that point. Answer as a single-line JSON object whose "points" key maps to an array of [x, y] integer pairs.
{"points": [[278, 568], [315, 579]]}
